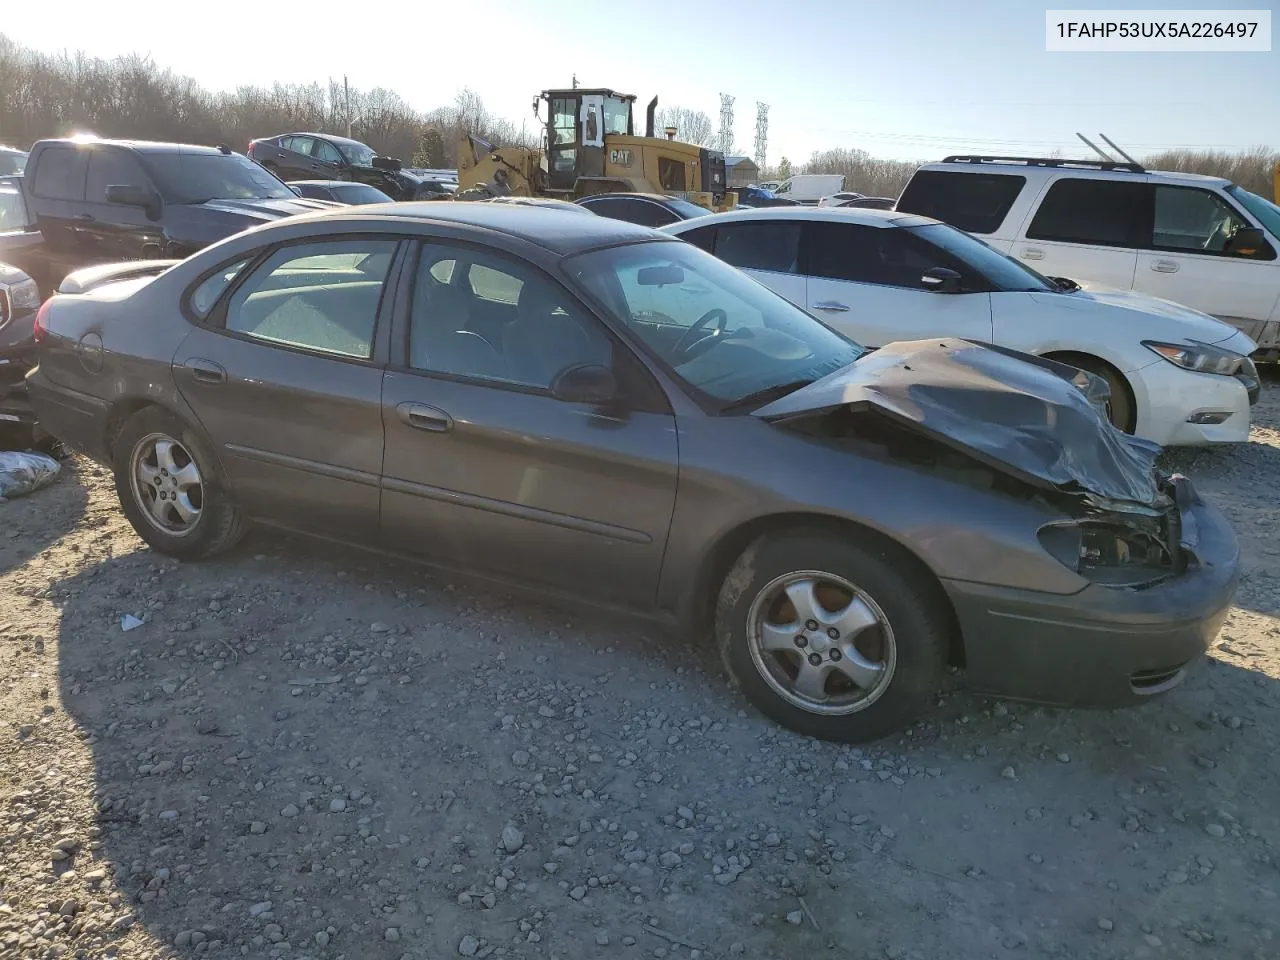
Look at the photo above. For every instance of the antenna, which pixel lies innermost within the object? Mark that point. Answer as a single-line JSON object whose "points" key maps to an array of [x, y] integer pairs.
{"points": [[1112, 145], [762, 134], [726, 124], [575, 81], [1095, 149]]}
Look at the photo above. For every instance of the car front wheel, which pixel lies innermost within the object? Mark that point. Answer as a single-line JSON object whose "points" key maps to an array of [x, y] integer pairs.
{"points": [[831, 638], [169, 489]]}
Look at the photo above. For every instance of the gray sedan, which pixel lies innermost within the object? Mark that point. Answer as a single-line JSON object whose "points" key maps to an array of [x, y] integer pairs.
{"points": [[597, 411]]}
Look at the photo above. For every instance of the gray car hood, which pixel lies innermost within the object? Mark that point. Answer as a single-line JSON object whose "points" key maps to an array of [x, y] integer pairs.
{"points": [[1035, 419]]}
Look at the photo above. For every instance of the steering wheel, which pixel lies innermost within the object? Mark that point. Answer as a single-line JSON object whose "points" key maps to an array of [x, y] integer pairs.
{"points": [[686, 341]]}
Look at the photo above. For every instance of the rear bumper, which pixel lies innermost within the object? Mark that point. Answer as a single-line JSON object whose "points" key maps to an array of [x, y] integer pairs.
{"points": [[1104, 646], [77, 419]]}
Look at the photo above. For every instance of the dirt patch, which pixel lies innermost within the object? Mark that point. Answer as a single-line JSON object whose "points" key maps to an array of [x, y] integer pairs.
{"points": [[304, 752]]}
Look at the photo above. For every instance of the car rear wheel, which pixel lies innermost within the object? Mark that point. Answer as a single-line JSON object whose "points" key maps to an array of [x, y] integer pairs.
{"points": [[831, 638], [169, 489]]}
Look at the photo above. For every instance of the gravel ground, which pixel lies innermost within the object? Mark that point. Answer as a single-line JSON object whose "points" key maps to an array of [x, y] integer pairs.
{"points": [[307, 753]]}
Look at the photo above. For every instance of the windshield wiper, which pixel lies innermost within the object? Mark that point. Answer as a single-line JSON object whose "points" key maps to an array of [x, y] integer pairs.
{"points": [[760, 397]]}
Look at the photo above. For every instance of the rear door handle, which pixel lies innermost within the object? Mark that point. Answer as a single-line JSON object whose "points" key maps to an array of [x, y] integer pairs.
{"points": [[1164, 266], [831, 306], [1031, 253], [206, 371], [422, 417]]}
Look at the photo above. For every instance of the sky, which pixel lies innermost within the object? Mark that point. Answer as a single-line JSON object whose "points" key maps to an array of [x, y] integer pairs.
{"points": [[908, 80]]}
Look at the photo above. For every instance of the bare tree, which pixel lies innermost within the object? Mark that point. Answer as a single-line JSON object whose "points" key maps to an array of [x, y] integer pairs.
{"points": [[863, 172], [692, 126]]}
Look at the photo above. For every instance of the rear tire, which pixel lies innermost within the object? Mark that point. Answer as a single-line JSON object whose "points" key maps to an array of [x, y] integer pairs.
{"points": [[169, 488], [833, 639]]}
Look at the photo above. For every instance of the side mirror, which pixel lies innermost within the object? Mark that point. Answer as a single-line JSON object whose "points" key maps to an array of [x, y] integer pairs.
{"points": [[297, 190], [131, 196], [1246, 242], [585, 383], [941, 280]]}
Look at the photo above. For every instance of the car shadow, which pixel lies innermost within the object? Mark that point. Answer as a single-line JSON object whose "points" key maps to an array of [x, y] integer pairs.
{"points": [[309, 746], [32, 523]]}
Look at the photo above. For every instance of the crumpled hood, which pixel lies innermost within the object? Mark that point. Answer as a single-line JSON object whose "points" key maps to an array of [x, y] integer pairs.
{"points": [[1035, 419], [1192, 324], [267, 210]]}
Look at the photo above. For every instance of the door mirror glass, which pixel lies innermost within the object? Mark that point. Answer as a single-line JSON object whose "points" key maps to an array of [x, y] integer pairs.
{"points": [[585, 383], [941, 280]]}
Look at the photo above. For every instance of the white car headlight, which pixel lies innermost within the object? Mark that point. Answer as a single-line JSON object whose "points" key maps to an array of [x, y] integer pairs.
{"points": [[1198, 357]]}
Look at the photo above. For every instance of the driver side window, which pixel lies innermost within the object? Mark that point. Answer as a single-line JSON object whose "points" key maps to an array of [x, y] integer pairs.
{"points": [[326, 152], [478, 315], [1194, 221]]}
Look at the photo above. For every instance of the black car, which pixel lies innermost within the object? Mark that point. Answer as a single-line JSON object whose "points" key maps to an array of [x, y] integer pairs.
{"points": [[339, 191], [12, 160], [85, 202], [646, 209], [319, 156], [760, 197]]}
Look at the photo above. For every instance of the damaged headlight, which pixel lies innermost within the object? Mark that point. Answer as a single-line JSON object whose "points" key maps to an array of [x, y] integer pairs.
{"points": [[1111, 553], [1198, 357]]}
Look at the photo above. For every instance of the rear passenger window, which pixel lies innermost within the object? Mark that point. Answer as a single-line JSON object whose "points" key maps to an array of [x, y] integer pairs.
{"points": [[316, 296], [760, 246], [884, 256], [1106, 213], [974, 202], [60, 173]]}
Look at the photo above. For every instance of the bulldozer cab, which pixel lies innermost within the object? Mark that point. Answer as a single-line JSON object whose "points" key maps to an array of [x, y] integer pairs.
{"points": [[578, 120]]}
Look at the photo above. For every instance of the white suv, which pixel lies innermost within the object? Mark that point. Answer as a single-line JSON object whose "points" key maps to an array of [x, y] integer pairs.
{"points": [[1177, 377], [1200, 241]]}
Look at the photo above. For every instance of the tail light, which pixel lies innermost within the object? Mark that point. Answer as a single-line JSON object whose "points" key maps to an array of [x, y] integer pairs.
{"points": [[38, 326]]}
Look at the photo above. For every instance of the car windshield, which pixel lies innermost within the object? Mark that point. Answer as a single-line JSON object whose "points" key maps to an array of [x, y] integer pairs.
{"points": [[686, 208], [1267, 213], [1004, 272], [356, 154], [725, 335], [197, 177]]}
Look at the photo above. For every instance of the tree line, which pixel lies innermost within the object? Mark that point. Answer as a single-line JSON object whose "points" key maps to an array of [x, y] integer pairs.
{"points": [[50, 95]]}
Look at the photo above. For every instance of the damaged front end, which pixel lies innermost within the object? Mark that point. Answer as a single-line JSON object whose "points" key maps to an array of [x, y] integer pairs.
{"points": [[1020, 425]]}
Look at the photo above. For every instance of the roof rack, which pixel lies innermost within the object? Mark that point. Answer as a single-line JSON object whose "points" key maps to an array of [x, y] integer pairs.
{"points": [[1050, 162]]}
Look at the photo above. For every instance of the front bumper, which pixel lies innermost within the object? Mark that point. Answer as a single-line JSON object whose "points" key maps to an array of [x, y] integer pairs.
{"points": [[1103, 646], [1178, 408]]}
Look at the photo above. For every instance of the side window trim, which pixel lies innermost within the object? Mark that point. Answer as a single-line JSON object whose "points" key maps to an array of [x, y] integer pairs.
{"points": [[216, 320]]}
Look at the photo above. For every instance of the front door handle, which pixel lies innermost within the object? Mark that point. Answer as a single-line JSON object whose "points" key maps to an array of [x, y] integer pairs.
{"points": [[422, 417], [1031, 253], [1164, 266], [206, 371], [832, 306]]}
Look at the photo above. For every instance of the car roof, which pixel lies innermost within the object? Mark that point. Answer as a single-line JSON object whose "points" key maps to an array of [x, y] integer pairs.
{"points": [[1042, 170], [628, 195], [320, 136], [564, 232], [863, 216], [141, 146]]}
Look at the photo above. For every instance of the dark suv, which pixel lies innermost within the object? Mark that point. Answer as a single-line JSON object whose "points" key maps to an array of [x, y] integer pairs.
{"points": [[99, 201], [319, 156]]}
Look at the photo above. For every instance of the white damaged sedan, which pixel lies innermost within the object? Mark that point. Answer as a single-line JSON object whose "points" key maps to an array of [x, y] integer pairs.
{"points": [[1178, 377]]}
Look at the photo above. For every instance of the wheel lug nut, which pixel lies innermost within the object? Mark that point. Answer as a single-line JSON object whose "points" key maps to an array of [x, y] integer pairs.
{"points": [[833, 633], [811, 625], [802, 641], [815, 659], [835, 655]]}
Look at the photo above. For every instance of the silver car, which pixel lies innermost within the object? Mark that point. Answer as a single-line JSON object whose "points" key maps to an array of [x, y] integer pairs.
{"points": [[594, 410]]}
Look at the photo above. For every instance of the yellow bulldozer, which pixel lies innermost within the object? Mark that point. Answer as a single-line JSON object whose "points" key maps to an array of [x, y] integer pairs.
{"points": [[590, 146]]}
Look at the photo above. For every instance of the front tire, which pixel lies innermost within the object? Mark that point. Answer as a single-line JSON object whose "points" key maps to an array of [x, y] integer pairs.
{"points": [[169, 488], [831, 638]]}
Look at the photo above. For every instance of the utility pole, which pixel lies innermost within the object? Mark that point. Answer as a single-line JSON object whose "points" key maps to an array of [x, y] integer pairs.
{"points": [[346, 92]]}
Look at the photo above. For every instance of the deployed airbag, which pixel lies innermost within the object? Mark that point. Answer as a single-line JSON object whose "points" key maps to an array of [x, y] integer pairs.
{"points": [[1032, 418]]}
